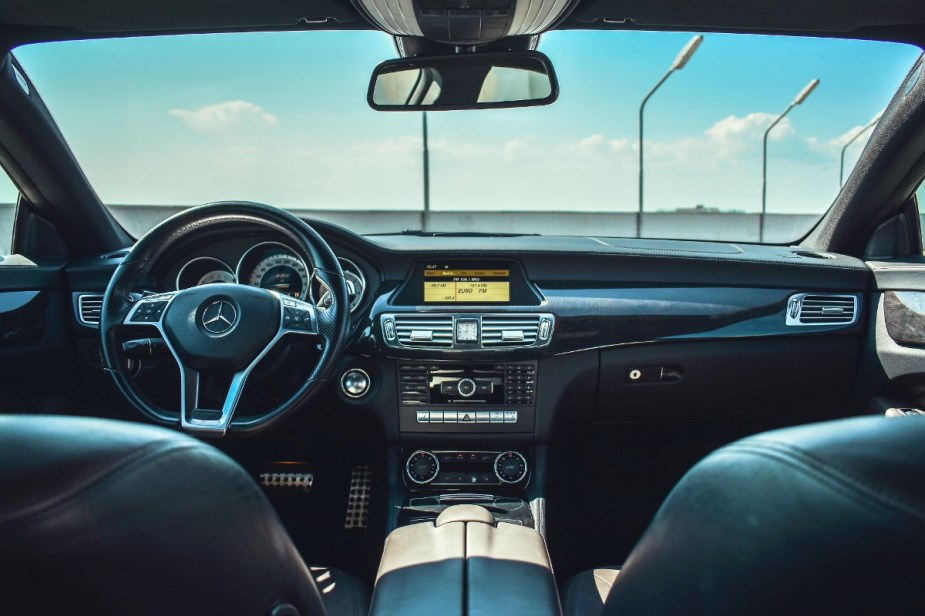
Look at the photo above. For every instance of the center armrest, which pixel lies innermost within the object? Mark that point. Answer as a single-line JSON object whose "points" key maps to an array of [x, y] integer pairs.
{"points": [[464, 563]]}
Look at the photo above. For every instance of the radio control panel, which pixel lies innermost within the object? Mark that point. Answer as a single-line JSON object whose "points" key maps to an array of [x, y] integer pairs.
{"points": [[467, 397], [421, 384]]}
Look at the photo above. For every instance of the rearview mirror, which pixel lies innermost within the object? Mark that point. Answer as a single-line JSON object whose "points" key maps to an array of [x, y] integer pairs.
{"points": [[464, 81]]}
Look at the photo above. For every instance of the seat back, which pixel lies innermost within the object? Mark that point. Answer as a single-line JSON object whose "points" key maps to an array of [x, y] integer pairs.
{"points": [[823, 518], [106, 517]]}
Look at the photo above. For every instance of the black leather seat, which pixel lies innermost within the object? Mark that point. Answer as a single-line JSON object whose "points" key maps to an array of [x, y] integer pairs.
{"points": [[824, 518], [105, 517]]}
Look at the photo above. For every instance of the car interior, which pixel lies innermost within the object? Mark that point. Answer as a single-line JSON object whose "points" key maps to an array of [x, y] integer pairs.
{"points": [[239, 407]]}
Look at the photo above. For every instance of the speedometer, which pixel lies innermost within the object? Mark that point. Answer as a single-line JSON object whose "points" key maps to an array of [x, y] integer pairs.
{"points": [[281, 272]]}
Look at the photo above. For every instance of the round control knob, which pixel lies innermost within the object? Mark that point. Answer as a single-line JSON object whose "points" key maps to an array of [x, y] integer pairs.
{"points": [[510, 467], [422, 467], [355, 383], [466, 387]]}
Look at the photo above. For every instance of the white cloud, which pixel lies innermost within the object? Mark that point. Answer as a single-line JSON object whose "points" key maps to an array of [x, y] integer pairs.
{"points": [[389, 147], [518, 149], [727, 144], [733, 129], [835, 144], [598, 144], [220, 116]]}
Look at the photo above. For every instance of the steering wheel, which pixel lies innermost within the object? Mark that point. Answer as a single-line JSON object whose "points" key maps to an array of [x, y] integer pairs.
{"points": [[222, 329]]}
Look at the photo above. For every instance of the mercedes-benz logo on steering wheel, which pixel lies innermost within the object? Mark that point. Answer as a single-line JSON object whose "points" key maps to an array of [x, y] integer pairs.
{"points": [[219, 317]]}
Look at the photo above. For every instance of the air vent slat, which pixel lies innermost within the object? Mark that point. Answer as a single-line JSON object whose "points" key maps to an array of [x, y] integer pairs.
{"points": [[424, 331], [512, 331], [806, 309], [89, 309]]}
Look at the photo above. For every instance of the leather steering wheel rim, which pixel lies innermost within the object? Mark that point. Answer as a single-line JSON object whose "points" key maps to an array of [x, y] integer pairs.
{"points": [[331, 324]]}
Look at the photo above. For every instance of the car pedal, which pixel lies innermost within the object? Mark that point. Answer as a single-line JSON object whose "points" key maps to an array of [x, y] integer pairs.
{"points": [[361, 482], [287, 478]]}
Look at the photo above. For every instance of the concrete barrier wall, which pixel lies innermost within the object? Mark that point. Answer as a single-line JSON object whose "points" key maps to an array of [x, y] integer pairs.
{"points": [[701, 226]]}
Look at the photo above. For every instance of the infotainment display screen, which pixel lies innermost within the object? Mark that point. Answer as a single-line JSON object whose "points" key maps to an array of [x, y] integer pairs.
{"points": [[444, 283]]}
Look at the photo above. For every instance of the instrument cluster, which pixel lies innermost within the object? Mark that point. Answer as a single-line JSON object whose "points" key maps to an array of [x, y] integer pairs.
{"points": [[274, 266]]}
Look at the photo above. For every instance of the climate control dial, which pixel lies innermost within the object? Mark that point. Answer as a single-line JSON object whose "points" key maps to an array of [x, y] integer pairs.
{"points": [[422, 466], [510, 467]]}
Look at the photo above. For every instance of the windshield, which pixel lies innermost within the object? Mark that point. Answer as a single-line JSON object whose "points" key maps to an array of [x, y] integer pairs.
{"points": [[162, 123]]}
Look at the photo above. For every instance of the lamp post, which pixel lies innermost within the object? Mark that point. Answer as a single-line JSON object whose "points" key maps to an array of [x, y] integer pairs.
{"points": [[426, 168], [841, 168], [679, 62], [804, 93]]}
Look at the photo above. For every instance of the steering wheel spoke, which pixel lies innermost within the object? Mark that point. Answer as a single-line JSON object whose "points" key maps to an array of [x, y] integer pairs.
{"points": [[197, 418]]}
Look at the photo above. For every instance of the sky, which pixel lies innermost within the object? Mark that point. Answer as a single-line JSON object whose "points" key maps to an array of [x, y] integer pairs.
{"points": [[282, 118]]}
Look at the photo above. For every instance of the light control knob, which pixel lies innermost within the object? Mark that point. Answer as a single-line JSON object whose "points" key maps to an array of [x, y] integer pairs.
{"points": [[355, 383], [466, 387]]}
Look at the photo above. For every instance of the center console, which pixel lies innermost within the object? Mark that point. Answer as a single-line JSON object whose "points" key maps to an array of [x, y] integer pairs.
{"points": [[465, 561], [465, 336]]}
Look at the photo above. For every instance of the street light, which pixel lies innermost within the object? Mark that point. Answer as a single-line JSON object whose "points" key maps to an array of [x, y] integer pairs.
{"points": [[426, 168], [679, 62], [841, 168], [798, 100]]}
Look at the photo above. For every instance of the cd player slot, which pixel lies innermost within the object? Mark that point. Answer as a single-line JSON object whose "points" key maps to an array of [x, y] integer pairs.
{"points": [[449, 384]]}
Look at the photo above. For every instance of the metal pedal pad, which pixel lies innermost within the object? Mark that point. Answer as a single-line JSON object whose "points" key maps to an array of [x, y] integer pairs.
{"points": [[287, 478], [361, 482]]}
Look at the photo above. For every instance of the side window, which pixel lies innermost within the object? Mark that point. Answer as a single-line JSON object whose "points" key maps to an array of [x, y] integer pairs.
{"points": [[9, 195]]}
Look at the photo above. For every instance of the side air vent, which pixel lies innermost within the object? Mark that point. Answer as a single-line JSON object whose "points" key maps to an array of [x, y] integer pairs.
{"points": [[806, 309], [510, 331], [421, 330], [89, 308]]}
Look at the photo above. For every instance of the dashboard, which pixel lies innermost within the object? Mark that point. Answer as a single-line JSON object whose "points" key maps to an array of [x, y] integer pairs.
{"points": [[498, 335]]}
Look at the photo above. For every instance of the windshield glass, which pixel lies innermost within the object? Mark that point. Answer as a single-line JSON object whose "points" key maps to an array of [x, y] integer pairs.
{"points": [[162, 123]]}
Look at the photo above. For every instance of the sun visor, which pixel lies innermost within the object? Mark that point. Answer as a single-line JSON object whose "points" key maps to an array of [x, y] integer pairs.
{"points": [[465, 22]]}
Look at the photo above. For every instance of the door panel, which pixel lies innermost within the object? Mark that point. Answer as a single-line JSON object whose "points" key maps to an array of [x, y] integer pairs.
{"points": [[895, 354], [37, 368]]}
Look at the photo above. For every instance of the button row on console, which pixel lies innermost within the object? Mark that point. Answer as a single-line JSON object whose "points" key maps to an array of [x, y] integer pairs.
{"points": [[495, 417]]}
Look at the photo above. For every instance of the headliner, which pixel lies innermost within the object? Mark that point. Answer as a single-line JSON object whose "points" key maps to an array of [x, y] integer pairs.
{"points": [[33, 20]]}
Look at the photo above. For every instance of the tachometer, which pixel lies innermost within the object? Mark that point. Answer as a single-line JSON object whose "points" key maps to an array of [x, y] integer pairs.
{"points": [[281, 272], [203, 270], [216, 276]]}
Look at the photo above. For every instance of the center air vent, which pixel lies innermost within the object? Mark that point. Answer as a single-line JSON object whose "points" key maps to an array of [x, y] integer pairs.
{"points": [[808, 309], [89, 308], [510, 331], [421, 330], [467, 331]]}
